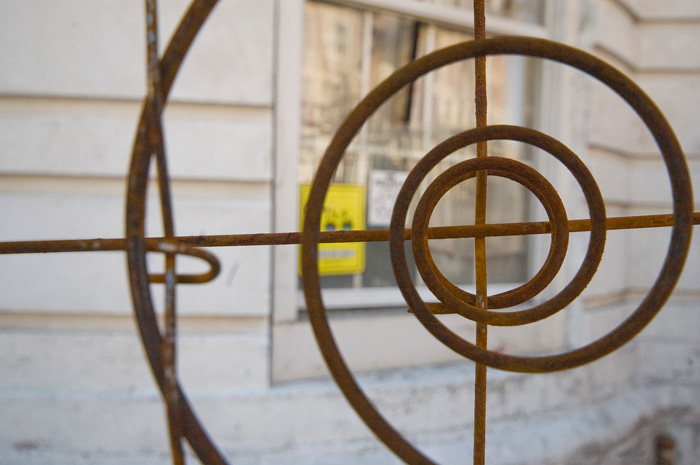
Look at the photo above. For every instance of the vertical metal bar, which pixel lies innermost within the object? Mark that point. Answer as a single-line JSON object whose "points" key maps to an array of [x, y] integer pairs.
{"points": [[364, 160], [157, 148], [480, 242]]}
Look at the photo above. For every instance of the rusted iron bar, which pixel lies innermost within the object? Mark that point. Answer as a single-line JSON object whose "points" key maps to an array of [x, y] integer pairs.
{"points": [[135, 245], [480, 271], [149, 144], [156, 141], [374, 235]]}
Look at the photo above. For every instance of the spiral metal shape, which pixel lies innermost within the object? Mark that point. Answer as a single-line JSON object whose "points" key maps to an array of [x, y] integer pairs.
{"points": [[450, 296]]}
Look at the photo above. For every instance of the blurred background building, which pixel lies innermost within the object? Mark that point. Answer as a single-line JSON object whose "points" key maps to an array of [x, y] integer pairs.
{"points": [[261, 93]]}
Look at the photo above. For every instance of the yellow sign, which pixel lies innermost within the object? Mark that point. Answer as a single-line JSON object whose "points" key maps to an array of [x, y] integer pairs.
{"points": [[344, 209]]}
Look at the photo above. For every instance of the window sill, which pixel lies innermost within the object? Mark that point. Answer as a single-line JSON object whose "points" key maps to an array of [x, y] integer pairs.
{"points": [[383, 297]]}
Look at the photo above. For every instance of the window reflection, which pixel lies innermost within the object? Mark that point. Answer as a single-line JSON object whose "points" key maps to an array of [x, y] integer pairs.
{"points": [[347, 53]]}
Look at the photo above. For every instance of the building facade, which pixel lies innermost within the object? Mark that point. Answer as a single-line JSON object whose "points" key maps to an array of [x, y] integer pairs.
{"points": [[261, 93]]}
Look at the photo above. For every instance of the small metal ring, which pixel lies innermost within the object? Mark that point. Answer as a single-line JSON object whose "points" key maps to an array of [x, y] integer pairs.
{"points": [[596, 244], [453, 296]]}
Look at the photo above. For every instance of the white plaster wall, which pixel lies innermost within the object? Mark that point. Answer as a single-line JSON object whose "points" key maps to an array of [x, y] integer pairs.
{"points": [[98, 282], [76, 385], [67, 48], [655, 44], [395, 340], [651, 10], [308, 421], [94, 138], [68, 114], [624, 157]]}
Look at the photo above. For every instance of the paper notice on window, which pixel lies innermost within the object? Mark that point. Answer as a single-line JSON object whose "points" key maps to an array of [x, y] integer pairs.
{"points": [[383, 188], [343, 210]]}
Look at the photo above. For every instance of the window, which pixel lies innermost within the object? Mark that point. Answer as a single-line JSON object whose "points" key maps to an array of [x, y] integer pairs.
{"points": [[347, 52], [347, 48]]}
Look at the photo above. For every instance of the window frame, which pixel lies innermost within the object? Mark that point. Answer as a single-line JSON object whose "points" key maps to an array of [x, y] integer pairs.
{"points": [[288, 315]]}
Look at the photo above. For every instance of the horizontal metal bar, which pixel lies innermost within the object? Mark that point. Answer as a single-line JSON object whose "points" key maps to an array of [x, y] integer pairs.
{"points": [[373, 235]]}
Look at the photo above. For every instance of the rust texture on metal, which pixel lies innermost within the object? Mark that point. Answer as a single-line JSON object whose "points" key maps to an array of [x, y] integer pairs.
{"points": [[160, 343], [506, 168], [188, 245], [459, 300], [683, 220], [158, 346], [156, 148], [665, 450], [480, 272]]}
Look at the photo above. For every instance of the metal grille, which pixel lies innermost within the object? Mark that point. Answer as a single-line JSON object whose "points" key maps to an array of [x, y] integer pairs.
{"points": [[160, 345]]}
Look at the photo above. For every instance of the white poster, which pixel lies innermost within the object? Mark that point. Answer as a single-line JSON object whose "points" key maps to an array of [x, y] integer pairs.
{"points": [[384, 187]]}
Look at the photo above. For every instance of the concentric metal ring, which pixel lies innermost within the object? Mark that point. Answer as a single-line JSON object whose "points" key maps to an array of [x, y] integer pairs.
{"points": [[444, 290], [678, 250], [136, 250], [588, 268], [618, 82], [526, 46]]}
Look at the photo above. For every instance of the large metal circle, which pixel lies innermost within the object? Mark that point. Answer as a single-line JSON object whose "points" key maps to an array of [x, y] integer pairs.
{"points": [[658, 294], [136, 249]]}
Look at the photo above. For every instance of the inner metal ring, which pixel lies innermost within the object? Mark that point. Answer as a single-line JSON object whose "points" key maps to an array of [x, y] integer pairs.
{"points": [[596, 243], [521, 173]]}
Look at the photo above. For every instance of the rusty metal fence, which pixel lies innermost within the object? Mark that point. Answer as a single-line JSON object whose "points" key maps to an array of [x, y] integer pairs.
{"points": [[160, 344]]}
